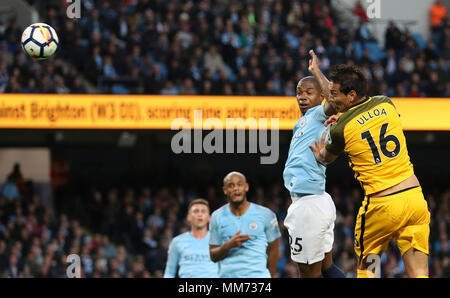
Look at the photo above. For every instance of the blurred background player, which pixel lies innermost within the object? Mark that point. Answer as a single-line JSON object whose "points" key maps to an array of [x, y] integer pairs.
{"points": [[189, 252], [244, 236], [370, 132], [310, 217]]}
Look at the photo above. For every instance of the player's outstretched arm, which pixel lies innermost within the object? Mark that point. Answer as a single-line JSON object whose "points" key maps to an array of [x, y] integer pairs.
{"points": [[330, 107], [172, 260], [273, 255], [321, 153], [218, 253]]}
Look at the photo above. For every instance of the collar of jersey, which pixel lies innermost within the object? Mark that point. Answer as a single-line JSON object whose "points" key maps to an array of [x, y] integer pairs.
{"points": [[360, 103], [311, 109]]}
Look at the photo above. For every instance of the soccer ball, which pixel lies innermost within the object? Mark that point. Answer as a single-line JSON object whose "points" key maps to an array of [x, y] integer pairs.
{"points": [[39, 41]]}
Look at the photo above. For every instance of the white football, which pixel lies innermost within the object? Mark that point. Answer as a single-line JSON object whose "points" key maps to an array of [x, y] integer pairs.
{"points": [[40, 41]]}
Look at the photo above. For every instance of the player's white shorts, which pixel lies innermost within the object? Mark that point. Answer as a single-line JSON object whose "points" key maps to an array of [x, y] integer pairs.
{"points": [[310, 223]]}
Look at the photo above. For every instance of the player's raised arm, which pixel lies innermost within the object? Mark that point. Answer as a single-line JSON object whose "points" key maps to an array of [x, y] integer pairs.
{"points": [[313, 68]]}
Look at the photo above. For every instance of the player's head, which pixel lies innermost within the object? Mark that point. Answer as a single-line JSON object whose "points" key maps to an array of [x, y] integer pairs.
{"points": [[309, 94], [198, 213], [347, 86], [235, 187]]}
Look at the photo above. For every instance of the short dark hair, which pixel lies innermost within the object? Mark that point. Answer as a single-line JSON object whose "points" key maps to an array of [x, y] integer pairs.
{"points": [[311, 79], [350, 78], [198, 201]]}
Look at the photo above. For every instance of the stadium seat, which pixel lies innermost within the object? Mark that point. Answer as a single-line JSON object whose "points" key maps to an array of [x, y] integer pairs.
{"points": [[376, 54], [419, 40], [357, 46]]}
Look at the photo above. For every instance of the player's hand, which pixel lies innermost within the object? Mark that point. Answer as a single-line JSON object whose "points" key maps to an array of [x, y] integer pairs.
{"points": [[313, 62], [238, 239], [319, 146], [331, 120]]}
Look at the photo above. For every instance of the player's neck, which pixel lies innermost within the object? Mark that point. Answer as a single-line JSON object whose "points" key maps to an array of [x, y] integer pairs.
{"points": [[199, 233], [240, 209], [358, 101]]}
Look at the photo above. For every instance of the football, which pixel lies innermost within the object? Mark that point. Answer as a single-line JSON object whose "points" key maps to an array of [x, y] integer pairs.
{"points": [[39, 41]]}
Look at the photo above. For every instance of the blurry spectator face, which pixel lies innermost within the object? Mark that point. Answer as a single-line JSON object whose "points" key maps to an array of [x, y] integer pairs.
{"points": [[250, 86], [420, 63], [257, 73], [243, 72], [308, 94], [198, 216], [400, 90], [253, 62], [228, 90], [416, 78], [188, 84], [207, 85], [13, 261], [391, 53], [31, 84], [384, 88], [229, 26], [434, 77]]}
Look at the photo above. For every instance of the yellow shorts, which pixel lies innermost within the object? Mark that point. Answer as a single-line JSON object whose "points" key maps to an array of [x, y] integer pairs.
{"points": [[402, 216]]}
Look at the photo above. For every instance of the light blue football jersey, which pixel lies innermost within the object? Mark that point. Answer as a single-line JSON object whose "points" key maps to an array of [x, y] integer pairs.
{"points": [[302, 173], [191, 256], [250, 259]]}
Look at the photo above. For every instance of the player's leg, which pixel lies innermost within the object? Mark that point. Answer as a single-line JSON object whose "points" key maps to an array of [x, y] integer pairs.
{"points": [[329, 269], [416, 263], [310, 270], [369, 266], [412, 239], [324, 267], [373, 232], [327, 261]]}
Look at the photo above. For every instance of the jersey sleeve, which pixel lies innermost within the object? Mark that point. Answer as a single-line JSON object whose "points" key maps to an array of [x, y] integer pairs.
{"points": [[387, 99], [319, 113], [172, 260], [271, 229], [214, 235], [336, 141]]}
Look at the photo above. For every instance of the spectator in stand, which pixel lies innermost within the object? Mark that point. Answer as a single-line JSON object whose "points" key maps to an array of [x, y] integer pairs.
{"points": [[438, 12], [34, 241], [360, 12], [146, 45]]}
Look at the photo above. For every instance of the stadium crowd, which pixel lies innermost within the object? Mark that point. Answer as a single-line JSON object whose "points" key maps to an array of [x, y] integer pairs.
{"points": [[252, 47], [125, 232]]}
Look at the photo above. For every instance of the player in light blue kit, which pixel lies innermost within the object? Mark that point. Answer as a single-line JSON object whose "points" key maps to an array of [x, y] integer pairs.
{"points": [[189, 252], [310, 217], [244, 236]]}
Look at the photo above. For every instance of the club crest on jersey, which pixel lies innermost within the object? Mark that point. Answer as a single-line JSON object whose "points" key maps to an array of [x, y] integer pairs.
{"points": [[302, 121], [253, 226]]}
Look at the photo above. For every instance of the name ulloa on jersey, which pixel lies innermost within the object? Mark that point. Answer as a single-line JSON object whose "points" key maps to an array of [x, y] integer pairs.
{"points": [[371, 114]]}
